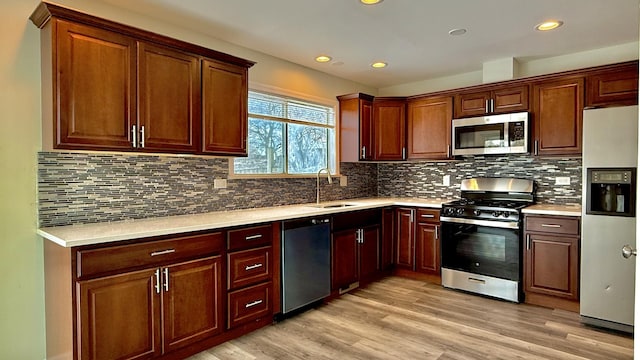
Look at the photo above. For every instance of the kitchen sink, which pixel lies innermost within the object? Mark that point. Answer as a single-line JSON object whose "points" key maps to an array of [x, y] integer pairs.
{"points": [[334, 205]]}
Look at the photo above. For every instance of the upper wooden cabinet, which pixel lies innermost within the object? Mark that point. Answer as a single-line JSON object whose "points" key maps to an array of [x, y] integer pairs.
{"points": [[356, 127], [429, 128], [389, 128], [557, 112], [94, 86], [108, 86], [168, 99], [613, 87], [492, 101], [224, 103]]}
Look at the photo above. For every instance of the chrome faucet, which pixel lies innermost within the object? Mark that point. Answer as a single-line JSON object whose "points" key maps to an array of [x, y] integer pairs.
{"points": [[318, 182]]}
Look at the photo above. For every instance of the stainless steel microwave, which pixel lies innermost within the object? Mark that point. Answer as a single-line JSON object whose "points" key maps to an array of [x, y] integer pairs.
{"points": [[492, 134]]}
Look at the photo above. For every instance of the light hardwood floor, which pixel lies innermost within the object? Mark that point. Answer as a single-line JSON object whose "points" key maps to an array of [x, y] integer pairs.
{"points": [[399, 318]]}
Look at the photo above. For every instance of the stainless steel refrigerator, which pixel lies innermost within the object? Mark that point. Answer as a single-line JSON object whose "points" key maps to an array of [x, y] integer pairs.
{"points": [[609, 162]]}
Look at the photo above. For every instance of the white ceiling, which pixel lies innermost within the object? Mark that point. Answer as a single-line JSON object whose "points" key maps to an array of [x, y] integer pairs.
{"points": [[411, 35]]}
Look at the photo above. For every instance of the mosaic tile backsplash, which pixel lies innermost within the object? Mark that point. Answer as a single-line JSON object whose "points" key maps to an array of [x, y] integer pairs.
{"points": [[425, 179], [78, 188]]}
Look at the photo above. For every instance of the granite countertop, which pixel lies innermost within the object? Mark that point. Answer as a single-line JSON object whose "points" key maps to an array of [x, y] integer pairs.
{"points": [[550, 209], [98, 233]]}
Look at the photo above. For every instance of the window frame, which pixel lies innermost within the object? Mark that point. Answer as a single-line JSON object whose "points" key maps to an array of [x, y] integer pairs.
{"points": [[296, 96]]}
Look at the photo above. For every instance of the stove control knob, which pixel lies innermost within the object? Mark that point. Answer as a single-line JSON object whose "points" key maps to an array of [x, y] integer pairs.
{"points": [[459, 211], [496, 213], [505, 214], [477, 212]]}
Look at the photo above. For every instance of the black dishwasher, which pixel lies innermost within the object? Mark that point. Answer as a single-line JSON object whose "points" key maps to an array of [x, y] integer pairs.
{"points": [[306, 262]]}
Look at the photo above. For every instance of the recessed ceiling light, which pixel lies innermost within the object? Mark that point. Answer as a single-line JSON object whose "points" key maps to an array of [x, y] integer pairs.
{"points": [[549, 25], [323, 58], [456, 32], [371, 2], [379, 64]]}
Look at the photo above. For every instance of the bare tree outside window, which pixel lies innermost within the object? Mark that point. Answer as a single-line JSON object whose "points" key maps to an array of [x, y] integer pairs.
{"points": [[288, 136]]}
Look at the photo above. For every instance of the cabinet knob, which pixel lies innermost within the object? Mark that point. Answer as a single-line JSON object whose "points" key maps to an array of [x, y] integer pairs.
{"points": [[628, 251]]}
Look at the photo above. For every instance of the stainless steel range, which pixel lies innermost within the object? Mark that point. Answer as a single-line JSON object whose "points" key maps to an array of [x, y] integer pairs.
{"points": [[482, 237]]}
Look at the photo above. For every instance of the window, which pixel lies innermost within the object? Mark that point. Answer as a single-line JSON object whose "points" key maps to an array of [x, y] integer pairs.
{"points": [[288, 137]]}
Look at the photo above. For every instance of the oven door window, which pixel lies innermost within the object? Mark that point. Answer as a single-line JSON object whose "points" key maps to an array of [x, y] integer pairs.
{"points": [[481, 250], [480, 136]]}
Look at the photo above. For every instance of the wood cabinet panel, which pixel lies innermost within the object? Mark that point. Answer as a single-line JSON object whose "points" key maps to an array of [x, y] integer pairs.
{"points": [[249, 304], [387, 234], [613, 87], [511, 99], [496, 100], [389, 129], [472, 104], [224, 102], [249, 237], [108, 259], [553, 224], [94, 88], [169, 99], [557, 112], [249, 267], [107, 306], [427, 248], [552, 265], [344, 258], [429, 128], [404, 238], [192, 302], [369, 252]]}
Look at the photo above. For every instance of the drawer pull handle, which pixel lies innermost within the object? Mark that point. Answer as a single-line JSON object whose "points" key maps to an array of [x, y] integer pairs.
{"points": [[251, 267], [251, 304], [253, 237], [163, 252], [551, 225], [480, 281], [427, 216]]}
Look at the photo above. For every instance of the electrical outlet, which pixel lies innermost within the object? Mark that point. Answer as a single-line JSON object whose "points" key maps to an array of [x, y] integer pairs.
{"points": [[343, 180], [446, 180], [219, 183], [563, 180]]}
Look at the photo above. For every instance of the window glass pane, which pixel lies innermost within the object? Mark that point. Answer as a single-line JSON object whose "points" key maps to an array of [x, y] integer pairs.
{"points": [[310, 113], [266, 155], [307, 149], [260, 104]]}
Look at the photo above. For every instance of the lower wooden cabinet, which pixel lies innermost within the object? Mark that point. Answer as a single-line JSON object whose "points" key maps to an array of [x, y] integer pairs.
{"points": [[417, 238], [162, 309], [356, 249], [552, 260]]}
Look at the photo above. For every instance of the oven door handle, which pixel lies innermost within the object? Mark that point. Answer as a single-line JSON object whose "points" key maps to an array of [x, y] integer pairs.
{"points": [[487, 223]]}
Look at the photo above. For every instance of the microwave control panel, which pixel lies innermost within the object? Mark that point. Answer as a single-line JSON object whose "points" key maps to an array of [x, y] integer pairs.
{"points": [[517, 132]]}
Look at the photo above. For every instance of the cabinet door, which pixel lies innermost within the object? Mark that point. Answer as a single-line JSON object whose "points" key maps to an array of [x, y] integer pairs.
{"points": [[511, 99], [386, 253], [557, 111], [370, 252], [389, 129], [427, 248], [224, 107], [615, 87], [192, 302], [344, 259], [429, 128], [94, 88], [367, 141], [404, 238], [119, 316], [551, 265], [472, 104], [169, 99]]}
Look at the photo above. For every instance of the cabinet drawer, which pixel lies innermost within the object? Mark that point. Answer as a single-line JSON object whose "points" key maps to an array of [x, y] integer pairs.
{"points": [[91, 262], [249, 304], [249, 267], [249, 237], [553, 224], [428, 215]]}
